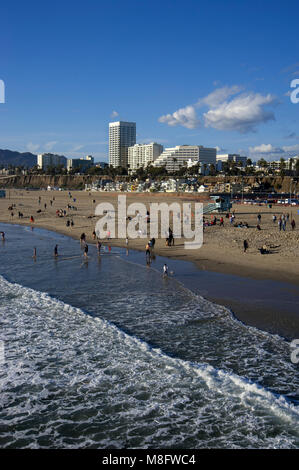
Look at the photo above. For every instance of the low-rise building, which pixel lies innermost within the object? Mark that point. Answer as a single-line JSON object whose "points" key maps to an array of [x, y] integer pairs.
{"points": [[183, 155], [80, 164], [230, 157]]}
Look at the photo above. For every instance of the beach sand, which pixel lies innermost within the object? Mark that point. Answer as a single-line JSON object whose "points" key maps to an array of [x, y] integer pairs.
{"points": [[222, 250]]}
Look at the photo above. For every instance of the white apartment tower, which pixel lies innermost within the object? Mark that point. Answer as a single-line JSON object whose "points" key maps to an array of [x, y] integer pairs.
{"points": [[45, 160], [141, 155], [122, 135]]}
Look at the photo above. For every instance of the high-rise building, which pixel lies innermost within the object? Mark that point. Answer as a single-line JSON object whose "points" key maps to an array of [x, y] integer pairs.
{"points": [[182, 155], [141, 155], [122, 135], [45, 160]]}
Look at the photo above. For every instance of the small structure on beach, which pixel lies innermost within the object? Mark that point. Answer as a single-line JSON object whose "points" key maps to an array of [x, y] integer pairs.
{"points": [[219, 204]]}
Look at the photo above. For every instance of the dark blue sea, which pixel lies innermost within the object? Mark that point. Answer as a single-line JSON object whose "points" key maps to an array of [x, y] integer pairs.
{"points": [[104, 352]]}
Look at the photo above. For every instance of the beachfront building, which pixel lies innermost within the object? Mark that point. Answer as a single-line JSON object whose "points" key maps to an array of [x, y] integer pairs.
{"points": [[182, 155], [46, 160], [80, 164], [230, 157], [141, 155], [122, 135]]}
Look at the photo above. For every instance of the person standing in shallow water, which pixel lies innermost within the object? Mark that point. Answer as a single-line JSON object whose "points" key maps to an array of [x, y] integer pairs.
{"points": [[56, 251], [165, 270]]}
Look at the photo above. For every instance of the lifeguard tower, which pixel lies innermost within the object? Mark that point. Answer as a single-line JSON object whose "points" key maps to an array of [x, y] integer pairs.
{"points": [[220, 204]]}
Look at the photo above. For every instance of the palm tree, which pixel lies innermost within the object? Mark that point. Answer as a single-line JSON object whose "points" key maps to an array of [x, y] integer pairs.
{"points": [[282, 166]]}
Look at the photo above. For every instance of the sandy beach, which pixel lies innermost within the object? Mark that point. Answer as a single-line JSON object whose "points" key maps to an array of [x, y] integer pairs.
{"points": [[222, 250]]}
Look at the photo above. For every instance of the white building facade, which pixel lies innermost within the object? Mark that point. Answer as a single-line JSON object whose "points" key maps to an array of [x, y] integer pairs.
{"points": [[185, 155], [45, 160], [122, 135], [141, 155], [230, 157]]}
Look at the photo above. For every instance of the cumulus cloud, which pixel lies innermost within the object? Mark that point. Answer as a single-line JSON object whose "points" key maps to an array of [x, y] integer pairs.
{"points": [[185, 117], [228, 109], [270, 151], [218, 96], [291, 148], [265, 148], [114, 114], [243, 113]]}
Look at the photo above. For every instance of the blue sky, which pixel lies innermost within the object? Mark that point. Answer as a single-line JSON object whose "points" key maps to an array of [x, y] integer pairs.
{"points": [[214, 73]]}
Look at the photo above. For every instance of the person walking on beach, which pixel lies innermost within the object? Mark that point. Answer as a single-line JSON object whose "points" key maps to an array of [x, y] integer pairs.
{"points": [[279, 224], [274, 218], [293, 224], [245, 244], [259, 218], [284, 225]]}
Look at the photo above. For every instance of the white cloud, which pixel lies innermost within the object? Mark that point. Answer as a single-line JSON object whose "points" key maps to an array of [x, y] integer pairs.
{"points": [[32, 147], [242, 113], [269, 151], [49, 145], [114, 114], [291, 148], [265, 148], [185, 117], [217, 96]]}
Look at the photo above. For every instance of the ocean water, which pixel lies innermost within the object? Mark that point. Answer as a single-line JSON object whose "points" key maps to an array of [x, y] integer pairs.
{"points": [[105, 353]]}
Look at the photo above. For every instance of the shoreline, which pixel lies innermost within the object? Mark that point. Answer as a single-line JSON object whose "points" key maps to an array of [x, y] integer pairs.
{"points": [[206, 262], [233, 295], [220, 259]]}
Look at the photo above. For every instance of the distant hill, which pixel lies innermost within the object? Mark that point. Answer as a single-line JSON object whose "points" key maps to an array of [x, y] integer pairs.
{"points": [[9, 157]]}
